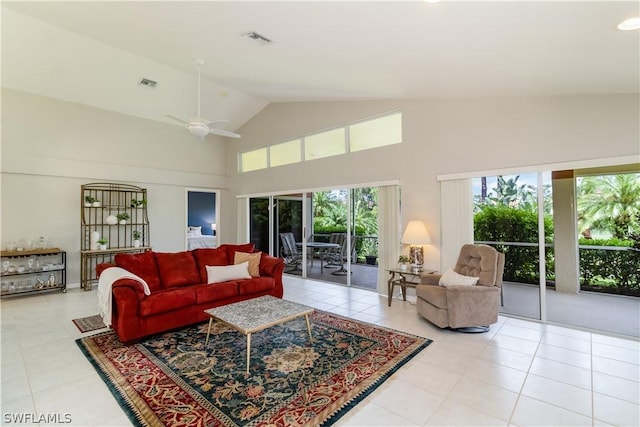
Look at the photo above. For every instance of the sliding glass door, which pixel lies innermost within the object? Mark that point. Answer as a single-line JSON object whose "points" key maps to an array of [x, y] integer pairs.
{"points": [[507, 217]]}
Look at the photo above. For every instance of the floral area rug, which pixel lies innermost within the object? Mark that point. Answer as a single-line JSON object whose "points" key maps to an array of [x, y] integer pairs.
{"points": [[172, 379]]}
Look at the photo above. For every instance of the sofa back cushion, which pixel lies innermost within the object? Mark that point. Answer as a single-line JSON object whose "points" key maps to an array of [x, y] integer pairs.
{"points": [[142, 265], [232, 249], [209, 256], [177, 269]]}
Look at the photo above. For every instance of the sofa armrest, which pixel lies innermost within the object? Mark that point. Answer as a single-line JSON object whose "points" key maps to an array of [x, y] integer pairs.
{"points": [[134, 285], [430, 279], [269, 265], [102, 267]]}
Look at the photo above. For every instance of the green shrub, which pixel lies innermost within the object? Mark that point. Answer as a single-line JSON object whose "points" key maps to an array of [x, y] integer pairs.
{"points": [[501, 223]]}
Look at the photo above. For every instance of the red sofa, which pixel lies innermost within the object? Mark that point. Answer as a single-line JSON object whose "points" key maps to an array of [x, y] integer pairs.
{"points": [[179, 289]]}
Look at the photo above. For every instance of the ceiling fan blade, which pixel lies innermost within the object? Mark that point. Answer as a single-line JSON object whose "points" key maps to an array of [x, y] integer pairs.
{"points": [[224, 133], [210, 122], [177, 119]]}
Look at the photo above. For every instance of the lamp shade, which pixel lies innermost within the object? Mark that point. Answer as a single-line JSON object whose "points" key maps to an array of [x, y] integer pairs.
{"points": [[416, 234]]}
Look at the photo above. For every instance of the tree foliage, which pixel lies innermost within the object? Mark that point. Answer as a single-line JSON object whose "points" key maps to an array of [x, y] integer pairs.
{"points": [[609, 204]]}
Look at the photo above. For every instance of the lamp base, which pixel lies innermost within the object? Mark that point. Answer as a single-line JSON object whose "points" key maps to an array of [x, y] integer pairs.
{"points": [[416, 256]]}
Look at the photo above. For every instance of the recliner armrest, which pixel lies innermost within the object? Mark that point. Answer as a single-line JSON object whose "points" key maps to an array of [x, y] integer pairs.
{"points": [[430, 279]]}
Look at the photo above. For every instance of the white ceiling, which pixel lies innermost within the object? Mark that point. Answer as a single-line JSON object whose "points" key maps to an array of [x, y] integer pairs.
{"points": [[334, 50]]}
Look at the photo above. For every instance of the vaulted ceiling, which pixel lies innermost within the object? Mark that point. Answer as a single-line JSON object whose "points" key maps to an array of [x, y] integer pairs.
{"points": [[96, 52]]}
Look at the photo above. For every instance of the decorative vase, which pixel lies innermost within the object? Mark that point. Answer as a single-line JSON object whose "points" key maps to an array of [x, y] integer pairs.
{"points": [[122, 222], [95, 236], [102, 247], [403, 267], [136, 243], [96, 204], [87, 204], [111, 220]]}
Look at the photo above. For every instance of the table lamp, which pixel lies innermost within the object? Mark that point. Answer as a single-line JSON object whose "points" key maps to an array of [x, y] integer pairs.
{"points": [[416, 235]]}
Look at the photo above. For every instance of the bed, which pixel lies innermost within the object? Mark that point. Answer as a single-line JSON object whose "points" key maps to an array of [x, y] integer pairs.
{"points": [[195, 239], [195, 242]]}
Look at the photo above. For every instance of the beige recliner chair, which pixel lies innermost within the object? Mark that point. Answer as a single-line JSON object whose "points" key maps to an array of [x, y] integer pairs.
{"points": [[468, 308]]}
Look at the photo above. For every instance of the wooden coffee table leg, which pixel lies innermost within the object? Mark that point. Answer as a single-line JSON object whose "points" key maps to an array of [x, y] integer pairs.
{"points": [[248, 351], [306, 317], [208, 331]]}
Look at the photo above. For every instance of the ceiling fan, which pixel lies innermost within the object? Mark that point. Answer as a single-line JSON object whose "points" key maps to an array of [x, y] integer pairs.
{"points": [[202, 127]]}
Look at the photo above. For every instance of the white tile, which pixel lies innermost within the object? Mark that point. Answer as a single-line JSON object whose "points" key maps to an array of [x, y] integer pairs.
{"points": [[16, 411], [564, 355], [516, 344], [16, 388], [562, 372], [617, 353], [558, 394], [432, 378], [571, 343], [498, 375], [451, 360], [617, 342], [621, 388], [488, 399], [532, 412], [373, 415], [615, 411], [521, 332], [616, 368], [511, 358], [84, 400], [409, 401], [450, 413]]}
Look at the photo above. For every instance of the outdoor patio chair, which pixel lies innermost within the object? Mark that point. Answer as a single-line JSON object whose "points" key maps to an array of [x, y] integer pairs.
{"points": [[339, 258], [331, 255], [289, 251], [457, 302]]}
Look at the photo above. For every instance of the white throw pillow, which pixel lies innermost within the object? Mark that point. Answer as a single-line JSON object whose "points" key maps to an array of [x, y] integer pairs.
{"points": [[450, 277], [222, 273]]}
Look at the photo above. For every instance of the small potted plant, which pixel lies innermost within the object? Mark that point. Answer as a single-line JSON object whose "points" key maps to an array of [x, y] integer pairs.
{"points": [[136, 238], [90, 201], [102, 243], [403, 260], [122, 218], [138, 203]]}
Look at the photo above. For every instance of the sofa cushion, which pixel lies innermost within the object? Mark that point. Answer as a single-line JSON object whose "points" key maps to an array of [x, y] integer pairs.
{"points": [[253, 259], [209, 256], [167, 300], [255, 285], [232, 249], [142, 265], [215, 292], [177, 269]]}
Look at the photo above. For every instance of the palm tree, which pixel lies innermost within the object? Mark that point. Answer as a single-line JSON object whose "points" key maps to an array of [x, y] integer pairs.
{"points": [[610, 203]]}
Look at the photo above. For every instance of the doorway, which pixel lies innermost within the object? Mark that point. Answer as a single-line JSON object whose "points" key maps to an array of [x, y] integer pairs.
{"points": [[201, 230]]}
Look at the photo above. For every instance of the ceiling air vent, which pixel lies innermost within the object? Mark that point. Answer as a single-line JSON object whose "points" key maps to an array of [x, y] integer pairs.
{"points": [[147, 83], [257, 37]]}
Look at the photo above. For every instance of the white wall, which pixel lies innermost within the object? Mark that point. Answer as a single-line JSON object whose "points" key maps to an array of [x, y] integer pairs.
{"points": [[51, 147], [442, 136]]}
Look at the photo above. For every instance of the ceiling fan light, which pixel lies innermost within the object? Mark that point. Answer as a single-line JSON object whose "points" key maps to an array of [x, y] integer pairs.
{"points": [[630, 24], [198, 129]]}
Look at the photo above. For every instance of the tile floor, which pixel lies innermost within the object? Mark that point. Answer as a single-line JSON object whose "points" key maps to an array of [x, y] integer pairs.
{"points": [[519, 373]]}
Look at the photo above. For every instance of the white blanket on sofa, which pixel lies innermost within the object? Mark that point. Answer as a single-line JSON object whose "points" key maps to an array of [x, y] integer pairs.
{"points": [[105, 281]]}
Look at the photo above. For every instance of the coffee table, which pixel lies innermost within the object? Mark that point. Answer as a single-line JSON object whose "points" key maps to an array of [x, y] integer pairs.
{"points": [[257, 314]]}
